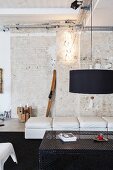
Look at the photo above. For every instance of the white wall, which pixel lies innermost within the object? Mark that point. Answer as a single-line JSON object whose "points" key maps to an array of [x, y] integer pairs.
{"points": [[66, 103], [5, 97], [34, 55], [102, 58], [33, 58]]}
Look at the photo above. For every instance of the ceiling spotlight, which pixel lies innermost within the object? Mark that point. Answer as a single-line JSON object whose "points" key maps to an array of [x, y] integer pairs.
{"points": [[17, 26], [5, 29], [76, 4]]}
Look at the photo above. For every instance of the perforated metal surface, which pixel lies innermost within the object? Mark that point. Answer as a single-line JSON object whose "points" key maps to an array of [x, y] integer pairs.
{"points": [[52, 149]]}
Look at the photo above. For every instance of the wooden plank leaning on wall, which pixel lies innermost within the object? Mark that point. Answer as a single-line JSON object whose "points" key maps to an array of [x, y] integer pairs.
{"points": [[51, 94]]}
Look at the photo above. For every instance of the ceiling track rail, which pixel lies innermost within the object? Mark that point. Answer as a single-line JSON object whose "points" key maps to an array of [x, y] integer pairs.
{"points": [[99, 28], [56, 27]]}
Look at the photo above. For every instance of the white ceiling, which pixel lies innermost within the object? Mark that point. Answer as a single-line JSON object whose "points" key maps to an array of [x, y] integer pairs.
{"points": [[30, 15], [35, 3], [103, 13], [34, 11]]}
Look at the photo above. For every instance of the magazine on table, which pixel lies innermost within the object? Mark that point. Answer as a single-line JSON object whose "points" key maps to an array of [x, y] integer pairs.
{"points": [[67, 137]]}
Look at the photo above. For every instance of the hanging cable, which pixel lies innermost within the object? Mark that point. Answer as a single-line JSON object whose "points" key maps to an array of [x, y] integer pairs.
{"points": [[91, 31]]}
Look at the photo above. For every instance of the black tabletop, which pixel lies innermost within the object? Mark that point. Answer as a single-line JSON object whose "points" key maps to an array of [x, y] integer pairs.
{"points": [[85, 142]]}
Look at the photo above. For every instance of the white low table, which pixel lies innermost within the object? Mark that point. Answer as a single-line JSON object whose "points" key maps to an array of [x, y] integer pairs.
{"points": [[12, 125], [6, 150]]}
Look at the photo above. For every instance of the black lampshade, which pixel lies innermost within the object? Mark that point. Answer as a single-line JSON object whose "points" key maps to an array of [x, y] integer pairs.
{"points": [[91, 81]]}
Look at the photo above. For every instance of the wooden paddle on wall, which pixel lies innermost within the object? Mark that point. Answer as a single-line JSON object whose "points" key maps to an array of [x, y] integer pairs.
{"points": [[52, 91]]}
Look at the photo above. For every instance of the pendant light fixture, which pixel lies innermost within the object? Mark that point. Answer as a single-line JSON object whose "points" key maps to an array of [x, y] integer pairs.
{"points": [[91, 81]]}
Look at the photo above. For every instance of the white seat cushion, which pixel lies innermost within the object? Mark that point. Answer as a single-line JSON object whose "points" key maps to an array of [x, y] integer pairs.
{"points": [[65, 122], [109, 121], [92, 122], [39, 123]]}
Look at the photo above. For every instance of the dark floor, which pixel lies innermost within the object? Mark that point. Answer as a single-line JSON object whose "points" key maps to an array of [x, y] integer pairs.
{"points": [[27, 156], [26, 151]]}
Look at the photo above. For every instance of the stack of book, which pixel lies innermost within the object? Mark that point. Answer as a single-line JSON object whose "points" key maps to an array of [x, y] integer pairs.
{"points": [[67, 137]]}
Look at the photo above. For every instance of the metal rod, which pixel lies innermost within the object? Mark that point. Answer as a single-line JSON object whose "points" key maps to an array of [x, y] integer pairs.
{"points": [[98, 28]]}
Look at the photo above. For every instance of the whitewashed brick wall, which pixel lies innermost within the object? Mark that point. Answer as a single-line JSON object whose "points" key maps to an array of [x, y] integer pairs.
{"points": [[35, 53], [67, 104], [33, 58], [102, 45]]}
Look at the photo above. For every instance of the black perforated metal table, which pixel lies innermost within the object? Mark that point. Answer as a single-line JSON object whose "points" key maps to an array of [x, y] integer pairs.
{"points": [[84, 153]]}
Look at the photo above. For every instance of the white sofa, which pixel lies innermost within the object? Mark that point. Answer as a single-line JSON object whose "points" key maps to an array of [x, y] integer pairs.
{"points": [[109, 121], [92, 123], [65, 123], [35, 127]]}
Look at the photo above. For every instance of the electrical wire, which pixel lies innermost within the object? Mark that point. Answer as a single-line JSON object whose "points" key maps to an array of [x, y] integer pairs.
{"points": [[91, 31]]}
